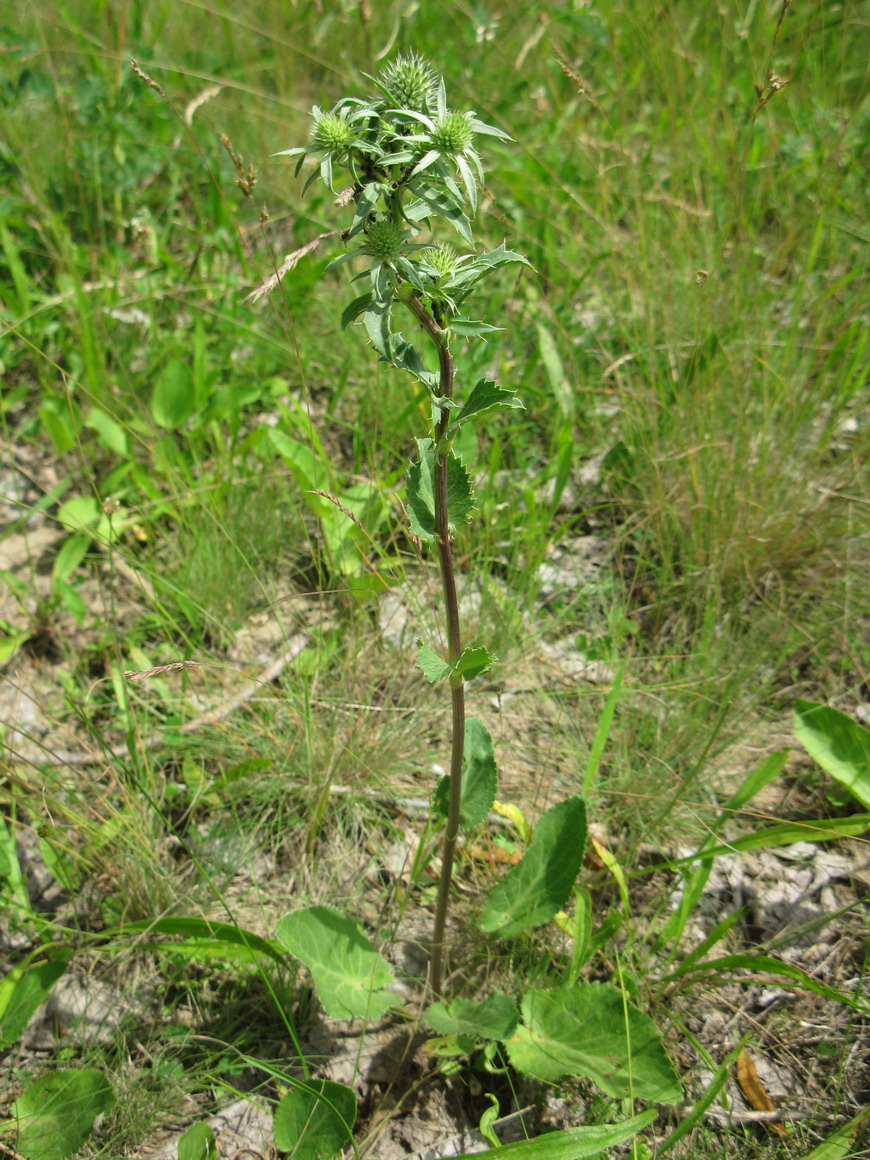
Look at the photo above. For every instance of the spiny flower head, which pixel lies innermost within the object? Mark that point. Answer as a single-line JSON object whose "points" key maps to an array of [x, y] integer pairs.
{"points": [[453, 133], [441, 258], [384, 240], [410, 81], [331, 133]]}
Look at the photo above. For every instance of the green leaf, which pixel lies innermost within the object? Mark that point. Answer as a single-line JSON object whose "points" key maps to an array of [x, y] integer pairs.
{"points": [[590, 1030], [71, 555], [197, 1143], [109, 430], [572, 1143], [9, 645], [55, 1113], [61, 420], [472, 328], [205, 938], [784, 834], [350, 976], [174, 397], [421, 492], [485, 395], [839, 1144], [696, 877], [444, 205], [315, 1121], [354, 309], [561, 388], [773, 966], [473, 660], [22, 990], [479, 777], [535, 890], [494, 1017], [840, 746]]}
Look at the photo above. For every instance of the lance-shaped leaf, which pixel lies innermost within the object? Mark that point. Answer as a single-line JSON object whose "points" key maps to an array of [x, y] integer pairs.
{"points": [[350, 976], [421, 492], [479, 779], [591, 1030], [840, 745], [536, 889], [485, 395]]}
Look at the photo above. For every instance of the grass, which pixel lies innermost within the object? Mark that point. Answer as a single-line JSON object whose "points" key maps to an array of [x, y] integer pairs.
{"points": [[695, 337]]}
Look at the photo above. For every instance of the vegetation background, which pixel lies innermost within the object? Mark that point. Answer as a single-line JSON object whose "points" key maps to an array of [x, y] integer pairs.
{"points": [[690, 184]]}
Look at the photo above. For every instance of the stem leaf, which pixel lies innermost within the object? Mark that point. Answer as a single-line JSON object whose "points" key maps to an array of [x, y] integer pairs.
{"points": [[485, 395], [479, 781], [421, 492]]}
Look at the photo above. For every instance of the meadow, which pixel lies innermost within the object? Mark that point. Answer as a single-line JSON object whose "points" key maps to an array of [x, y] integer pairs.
{"points": [[211, 587]]}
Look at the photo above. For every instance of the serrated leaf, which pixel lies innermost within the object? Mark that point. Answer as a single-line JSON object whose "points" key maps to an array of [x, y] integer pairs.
{"points": [[433, 667], [485, 395], [315, 1121], [840, 746], [470, 328], [472, 661], [479, 777], [536, 889], [590, 1030], [350, 976], [421, 492], [494, 1017]]}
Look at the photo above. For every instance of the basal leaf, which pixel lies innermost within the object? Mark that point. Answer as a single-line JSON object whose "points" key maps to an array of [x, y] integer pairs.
{"points": [[590, 1030], [494, 1017], [315, 1121], [350, 976], [56, 1112], [535, 890]]}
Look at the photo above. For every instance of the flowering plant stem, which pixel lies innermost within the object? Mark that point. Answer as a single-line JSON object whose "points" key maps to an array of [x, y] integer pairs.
{"points": [[413, 165], [454, 642]]}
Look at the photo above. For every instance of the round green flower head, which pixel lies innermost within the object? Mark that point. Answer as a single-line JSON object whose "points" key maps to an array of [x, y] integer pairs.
{"points": [[441, 258], [384, 240], [331, 133], [453, 133], [410, 81]]}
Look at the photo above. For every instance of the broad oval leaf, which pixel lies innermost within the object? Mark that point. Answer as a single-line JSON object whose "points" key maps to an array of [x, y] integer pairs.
{"points": [[350, 976], [56, 1112], [316, 1121], [535, 890], [591, 1030], [174, 398]]}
